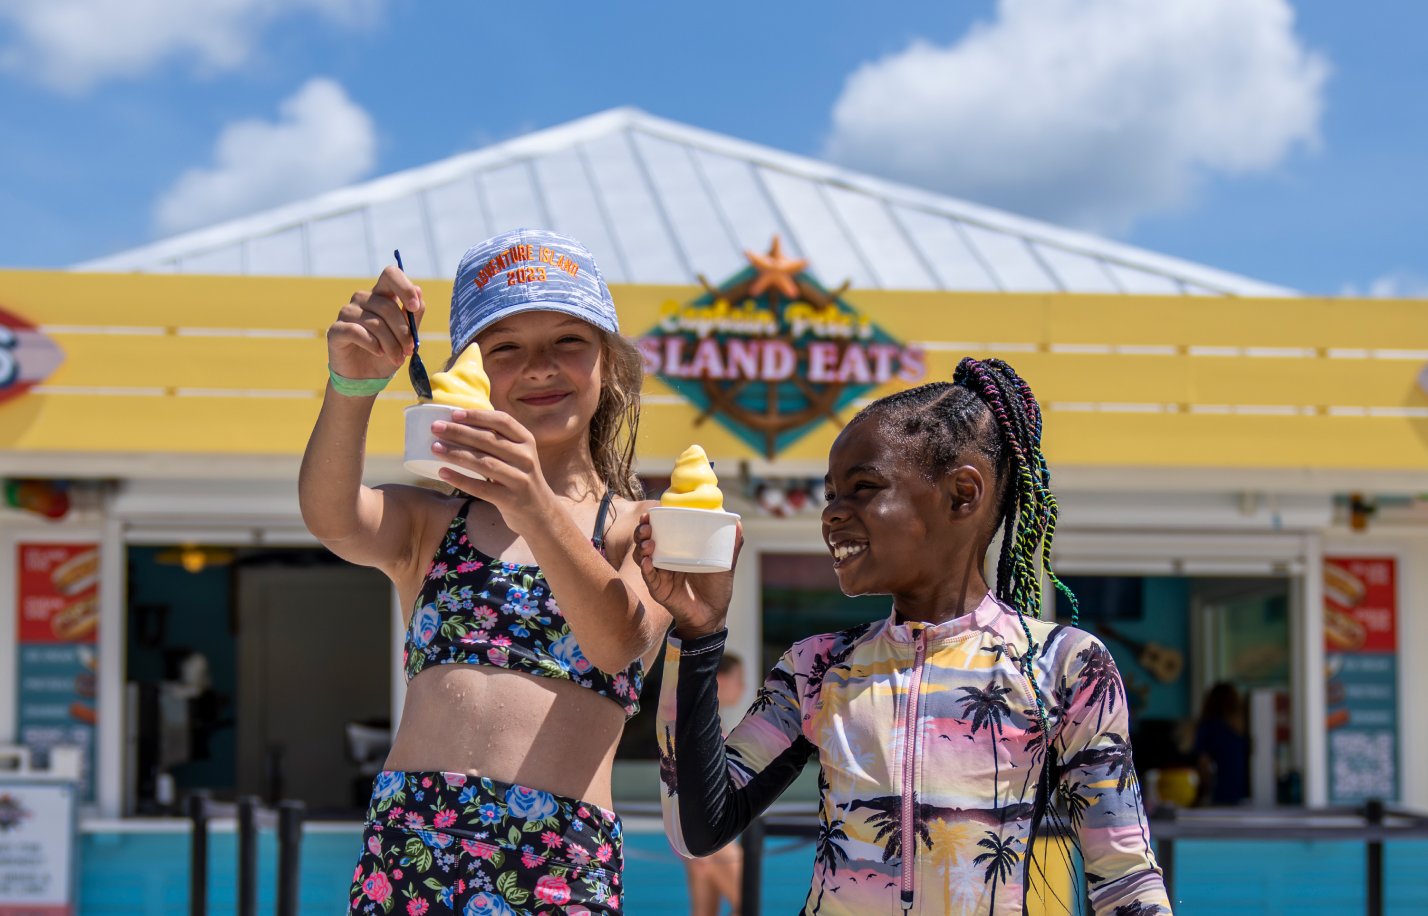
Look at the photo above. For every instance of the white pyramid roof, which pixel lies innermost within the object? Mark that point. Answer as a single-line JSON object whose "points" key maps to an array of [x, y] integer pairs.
{"points": [[660, 202]]}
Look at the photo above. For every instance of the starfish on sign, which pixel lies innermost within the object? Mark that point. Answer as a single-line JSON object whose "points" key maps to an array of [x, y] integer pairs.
{"points": [[775, 271]]}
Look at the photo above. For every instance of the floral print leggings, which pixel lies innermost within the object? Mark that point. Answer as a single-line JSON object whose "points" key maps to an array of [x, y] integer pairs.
{"points": [[438, 843]]}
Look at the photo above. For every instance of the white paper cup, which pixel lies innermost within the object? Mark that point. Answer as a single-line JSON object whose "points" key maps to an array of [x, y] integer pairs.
{"points": [[417, 457], [693, 540]]}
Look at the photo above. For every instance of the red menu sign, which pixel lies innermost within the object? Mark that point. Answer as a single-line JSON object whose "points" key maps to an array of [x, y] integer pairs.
{"points": [[57, 599], [1360, 604], [59, 593], [1361, 660]]}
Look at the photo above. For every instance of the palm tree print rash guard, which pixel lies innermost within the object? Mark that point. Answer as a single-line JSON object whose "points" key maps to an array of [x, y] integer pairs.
{"points": [[933, 771]]}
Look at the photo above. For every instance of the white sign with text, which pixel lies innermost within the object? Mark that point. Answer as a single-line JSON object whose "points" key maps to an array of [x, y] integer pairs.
{"points": [[36, 848]]}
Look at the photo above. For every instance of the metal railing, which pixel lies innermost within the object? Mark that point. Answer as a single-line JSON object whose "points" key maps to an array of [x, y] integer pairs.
{"points": [[1373, 825], [287, 817]]}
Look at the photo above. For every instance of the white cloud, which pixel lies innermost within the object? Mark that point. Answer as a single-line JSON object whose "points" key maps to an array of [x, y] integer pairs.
{"points": [[1398, 284], [321, 140], [1087, 112], [71, 45]]}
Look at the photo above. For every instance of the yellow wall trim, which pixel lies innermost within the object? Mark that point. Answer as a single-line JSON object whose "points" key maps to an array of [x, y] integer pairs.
{"points": [[236, 365]]}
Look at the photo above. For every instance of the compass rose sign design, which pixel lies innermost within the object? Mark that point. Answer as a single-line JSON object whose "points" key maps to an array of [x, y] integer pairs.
{"points": [[27, 356], [770, 353], [12, 813]]}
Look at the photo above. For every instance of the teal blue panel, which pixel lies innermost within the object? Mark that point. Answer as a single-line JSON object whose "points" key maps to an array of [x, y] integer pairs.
{"points": [[139, 874]]}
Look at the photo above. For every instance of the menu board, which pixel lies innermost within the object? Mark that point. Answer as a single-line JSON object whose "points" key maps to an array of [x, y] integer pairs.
{"points": [[58, 630], [37, 874], [1361, 656]]}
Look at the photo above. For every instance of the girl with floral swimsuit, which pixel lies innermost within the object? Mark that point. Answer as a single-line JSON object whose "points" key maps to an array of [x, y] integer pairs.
{"points": [[949, 735], [523, 629]]}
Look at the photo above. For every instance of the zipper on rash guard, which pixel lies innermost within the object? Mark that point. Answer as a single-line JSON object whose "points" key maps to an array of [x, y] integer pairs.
{"points": [[911, 733]]}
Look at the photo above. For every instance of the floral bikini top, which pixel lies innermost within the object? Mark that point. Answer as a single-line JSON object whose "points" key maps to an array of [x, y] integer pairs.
{"points": [[477, 610]]}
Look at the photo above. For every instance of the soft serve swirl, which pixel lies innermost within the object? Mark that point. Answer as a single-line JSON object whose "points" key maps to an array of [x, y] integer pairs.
{"points": [[465, 384], [693, 484]]}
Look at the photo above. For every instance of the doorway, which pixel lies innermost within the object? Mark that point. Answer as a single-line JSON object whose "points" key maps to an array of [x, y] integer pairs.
{"points": [[314, 654], [245, 668]]}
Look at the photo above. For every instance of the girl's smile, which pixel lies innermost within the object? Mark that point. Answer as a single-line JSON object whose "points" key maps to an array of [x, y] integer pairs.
{"points": [[879, 513], [545, 371], [846, 551], [544, 399], [893, 528]]}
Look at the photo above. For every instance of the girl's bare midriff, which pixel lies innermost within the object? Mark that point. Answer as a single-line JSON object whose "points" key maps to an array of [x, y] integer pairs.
{"points": [[543, 733]]}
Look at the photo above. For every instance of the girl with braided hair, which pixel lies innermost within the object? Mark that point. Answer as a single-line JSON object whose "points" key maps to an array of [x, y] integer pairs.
{"points": [[951, 735]]}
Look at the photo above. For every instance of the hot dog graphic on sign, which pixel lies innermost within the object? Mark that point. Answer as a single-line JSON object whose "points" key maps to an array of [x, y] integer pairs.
{"points": [[1361, 657], [58, 627]]}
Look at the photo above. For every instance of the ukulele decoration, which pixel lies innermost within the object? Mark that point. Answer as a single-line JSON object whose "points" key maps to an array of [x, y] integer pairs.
{"points": [[1164, 663]]}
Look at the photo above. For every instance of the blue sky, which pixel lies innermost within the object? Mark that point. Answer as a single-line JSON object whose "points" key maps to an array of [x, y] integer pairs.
{"points": [[1281, 139]]}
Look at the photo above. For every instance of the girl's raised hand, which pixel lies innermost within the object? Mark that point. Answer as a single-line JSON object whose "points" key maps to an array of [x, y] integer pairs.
{"points": [[698, 602], [496, 446], [370, 339]]}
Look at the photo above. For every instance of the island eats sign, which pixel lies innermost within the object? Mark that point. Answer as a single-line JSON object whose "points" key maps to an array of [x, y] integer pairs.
{"points": [[771, 354]]}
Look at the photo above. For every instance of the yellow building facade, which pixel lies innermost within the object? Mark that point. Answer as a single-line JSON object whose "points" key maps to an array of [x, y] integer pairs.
{"points": [[1200, 440]]}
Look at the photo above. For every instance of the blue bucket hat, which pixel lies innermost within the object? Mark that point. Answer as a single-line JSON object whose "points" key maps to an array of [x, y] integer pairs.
{"points": [[527, 270]]}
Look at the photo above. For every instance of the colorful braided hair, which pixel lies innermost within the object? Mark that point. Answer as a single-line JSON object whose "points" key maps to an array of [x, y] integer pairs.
{"points": [[989, 409]]}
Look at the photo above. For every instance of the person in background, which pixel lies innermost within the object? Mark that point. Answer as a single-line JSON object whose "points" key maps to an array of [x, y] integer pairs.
{"points": [[715, 878], [1222, 747]]}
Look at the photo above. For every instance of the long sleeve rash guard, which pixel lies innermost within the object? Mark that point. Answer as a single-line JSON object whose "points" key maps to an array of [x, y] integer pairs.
{"points": [[934, 774]]}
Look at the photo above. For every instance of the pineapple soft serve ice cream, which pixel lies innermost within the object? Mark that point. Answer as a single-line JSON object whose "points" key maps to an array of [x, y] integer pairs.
{"points": [[692, 532], [465, 386], [693, 484]]}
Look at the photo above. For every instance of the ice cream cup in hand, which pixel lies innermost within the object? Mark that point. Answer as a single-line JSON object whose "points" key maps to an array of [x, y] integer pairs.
{"points": [[693, 540], [418, 456]]}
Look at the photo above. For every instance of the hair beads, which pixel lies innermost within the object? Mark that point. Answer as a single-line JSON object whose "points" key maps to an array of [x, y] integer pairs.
{"points": [[1035, 508]]}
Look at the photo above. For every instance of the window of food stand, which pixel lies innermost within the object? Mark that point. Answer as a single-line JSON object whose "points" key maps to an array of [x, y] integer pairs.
{"points": [[223, 681]]}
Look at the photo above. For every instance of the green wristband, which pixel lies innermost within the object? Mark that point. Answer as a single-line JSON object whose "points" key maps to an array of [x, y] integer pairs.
{"points": [[356, 387]]}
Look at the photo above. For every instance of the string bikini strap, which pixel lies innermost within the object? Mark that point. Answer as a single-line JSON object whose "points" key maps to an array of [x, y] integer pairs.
{"points": [[598, 538], [459, 519]]}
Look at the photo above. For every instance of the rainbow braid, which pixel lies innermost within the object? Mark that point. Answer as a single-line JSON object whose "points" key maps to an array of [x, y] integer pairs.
{"points": [[1030, 509], [1042, 481]]}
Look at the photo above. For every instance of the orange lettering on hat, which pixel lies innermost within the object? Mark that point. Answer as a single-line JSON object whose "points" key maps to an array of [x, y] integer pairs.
{"points": [[517, 253], [525, 275]]}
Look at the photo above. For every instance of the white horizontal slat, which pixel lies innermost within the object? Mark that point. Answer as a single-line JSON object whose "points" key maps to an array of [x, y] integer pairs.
{"points": [[277, 255], [693, 214], [400, 224], [458, 221], [725, 171], [636, 220], [511, 199], [832, 257], [337, 245], [945, 249], [1009, 258], [886, 250], [225, 260], [569, 193], [1076, 273], [746, 207], [1143, 282]]}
